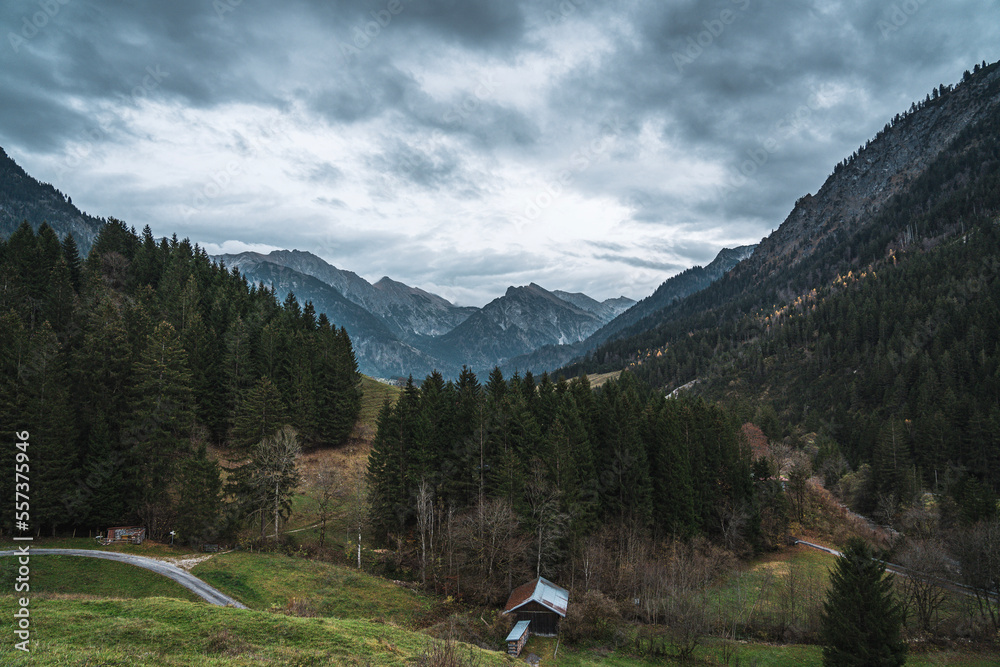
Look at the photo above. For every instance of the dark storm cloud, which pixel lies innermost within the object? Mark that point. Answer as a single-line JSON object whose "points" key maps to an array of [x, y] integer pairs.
{"points": [[724, 113], [432, 170], [643, 263], [725, 74]]}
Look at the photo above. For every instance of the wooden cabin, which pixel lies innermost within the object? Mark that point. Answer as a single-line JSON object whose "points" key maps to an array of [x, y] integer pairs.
{"points": [[540, 602]]}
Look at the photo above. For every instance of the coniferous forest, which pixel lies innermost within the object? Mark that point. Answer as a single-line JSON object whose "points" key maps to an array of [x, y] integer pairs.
{"points": [[129, 363], [883, 342], [517, 476]]}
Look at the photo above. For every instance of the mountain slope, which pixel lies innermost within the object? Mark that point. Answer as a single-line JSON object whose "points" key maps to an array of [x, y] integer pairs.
{"points": [[378, 351], [672, 290], [408, 312], [25, 198], [853, 220], [522, 320], [669, 292]]}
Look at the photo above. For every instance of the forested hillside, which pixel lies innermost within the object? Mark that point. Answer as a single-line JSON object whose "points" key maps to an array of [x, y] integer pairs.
{"points": [[519, 477], [883, 337], [126, 366]]}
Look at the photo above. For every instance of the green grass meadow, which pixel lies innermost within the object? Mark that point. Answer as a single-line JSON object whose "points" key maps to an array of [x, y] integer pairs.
{"points": [[277, 582], [162, 631]]}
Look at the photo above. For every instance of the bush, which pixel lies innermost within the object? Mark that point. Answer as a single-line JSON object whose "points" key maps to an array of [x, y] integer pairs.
{"points": [[593, 617], [447, 653], [486, 630]]}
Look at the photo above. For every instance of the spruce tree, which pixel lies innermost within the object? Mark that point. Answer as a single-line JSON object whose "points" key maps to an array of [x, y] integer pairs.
{"points": [[72, 256], [258, 417], [160, 426], [861, 619], [200, 501]]}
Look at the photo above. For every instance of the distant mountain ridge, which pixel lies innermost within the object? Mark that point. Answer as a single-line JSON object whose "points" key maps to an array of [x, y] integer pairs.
{"points": [[408, 312], [671, 291], [402, 329], [522, 320]]}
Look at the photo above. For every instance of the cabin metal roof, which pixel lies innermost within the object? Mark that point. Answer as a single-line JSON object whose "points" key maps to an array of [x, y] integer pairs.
{"points": [[542, 591], [518, 631]]}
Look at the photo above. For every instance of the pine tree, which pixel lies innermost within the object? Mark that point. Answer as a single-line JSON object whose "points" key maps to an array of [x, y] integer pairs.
{"points": [[48, 409], [861, 619]]}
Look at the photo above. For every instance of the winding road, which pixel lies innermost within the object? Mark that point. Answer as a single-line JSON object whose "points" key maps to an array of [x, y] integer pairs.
{"points": [[169, 570]]}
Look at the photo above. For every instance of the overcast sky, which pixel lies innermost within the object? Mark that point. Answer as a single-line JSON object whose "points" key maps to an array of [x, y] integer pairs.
{"points": [[466, 145]]}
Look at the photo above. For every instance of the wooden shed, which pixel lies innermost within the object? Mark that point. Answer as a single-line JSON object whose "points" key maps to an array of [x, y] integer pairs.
{"points": [[542, 603], [517, 638], [132, 534]]}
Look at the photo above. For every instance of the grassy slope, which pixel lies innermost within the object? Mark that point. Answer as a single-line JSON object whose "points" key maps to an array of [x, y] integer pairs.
{"points": [[598, 379], [160, 631], [90, 576], [349, 461], [269, 581]]}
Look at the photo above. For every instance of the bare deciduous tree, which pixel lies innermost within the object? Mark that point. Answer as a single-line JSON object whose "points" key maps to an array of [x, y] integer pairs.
{"points": [[549, 521], [329, 483], [425, 522], [926, 562], [490, 537], [272, 478], [978, 551]]}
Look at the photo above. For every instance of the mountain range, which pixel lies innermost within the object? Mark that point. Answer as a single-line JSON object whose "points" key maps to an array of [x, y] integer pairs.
{"points": [[399, 330]]}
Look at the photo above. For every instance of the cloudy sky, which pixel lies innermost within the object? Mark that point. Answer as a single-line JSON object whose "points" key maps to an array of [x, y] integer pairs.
{"points": [[466, 145]]}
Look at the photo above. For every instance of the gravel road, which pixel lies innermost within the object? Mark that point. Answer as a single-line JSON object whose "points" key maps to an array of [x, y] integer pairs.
{"points": [[185, 579]]}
